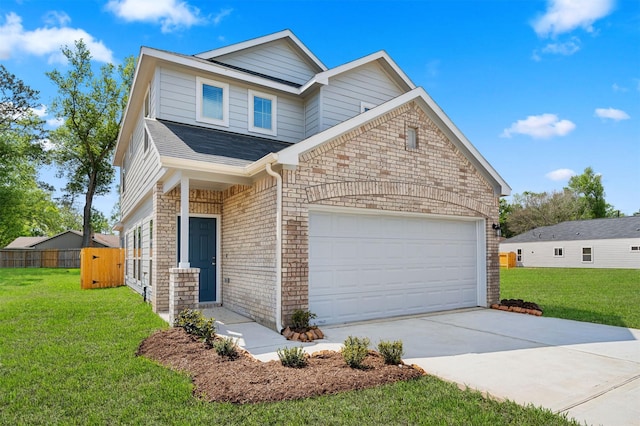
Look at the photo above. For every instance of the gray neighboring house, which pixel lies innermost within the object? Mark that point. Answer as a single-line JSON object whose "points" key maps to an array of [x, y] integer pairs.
{"points": [[595, 243], [66, 240]]}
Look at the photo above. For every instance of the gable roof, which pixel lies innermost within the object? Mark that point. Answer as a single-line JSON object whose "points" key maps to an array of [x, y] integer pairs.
{"points": [[25, 242], [32, 242], [284, 34], [577, 230], [290, 156]]}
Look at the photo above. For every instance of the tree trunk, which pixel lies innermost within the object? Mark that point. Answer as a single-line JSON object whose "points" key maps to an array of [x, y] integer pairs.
{"points": [[86, 217]]}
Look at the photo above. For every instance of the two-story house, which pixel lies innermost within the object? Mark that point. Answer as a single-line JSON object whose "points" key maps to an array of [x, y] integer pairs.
{"points": [[254, 177]]}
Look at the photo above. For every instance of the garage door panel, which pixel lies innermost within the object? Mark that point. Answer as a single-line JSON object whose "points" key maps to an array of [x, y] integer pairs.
{"points": [[364, 266]]}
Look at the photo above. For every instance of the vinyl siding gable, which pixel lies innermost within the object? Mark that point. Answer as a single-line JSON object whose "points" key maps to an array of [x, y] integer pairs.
{"points": [[275, 59], [342, 97]]}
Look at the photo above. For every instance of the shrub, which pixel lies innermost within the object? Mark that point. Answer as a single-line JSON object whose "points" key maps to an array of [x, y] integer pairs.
{"points": [[194, 323], [391, 351], [355, 351], [301, 319], [292, 357], [226, 346]]}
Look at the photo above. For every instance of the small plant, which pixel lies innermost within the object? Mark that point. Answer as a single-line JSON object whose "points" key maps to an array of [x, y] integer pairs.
{"points": [[301, 319], [194, 323], [391, 351], [355, 351], [292, 357], [226, 346]]}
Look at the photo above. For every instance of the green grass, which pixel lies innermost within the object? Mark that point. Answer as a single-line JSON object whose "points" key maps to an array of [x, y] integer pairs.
{"points": [[604, 296], [67, 356]]}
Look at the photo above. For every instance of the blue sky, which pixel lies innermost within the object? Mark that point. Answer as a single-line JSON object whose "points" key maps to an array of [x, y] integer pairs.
{"points": [[543, 88]]}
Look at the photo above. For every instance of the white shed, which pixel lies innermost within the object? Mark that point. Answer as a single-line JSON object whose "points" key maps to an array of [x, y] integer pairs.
{"points": [[595, 243]]}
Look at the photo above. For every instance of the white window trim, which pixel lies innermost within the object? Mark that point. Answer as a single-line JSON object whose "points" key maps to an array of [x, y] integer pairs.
{"points": [[366, 106], [582, 254], [225, 102], [274, 113], [558, 255], [634, 248], [146, 105], [409, 144]]}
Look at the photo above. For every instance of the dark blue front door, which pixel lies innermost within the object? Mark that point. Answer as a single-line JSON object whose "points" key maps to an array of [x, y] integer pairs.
{"points": [[202, 254]]}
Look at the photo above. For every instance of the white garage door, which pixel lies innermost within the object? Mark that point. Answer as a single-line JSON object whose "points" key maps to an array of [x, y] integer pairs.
{"points": [[363, 266]]}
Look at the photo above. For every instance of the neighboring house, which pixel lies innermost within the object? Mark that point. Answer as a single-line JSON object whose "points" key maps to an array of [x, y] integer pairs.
{"points": [[254, 177], [63, 241], [595, 243]]}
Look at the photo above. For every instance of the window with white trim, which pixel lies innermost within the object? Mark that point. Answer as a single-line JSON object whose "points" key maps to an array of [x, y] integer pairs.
{"points": [[262, 113], [587, 254], [635, 249], [147, 104], [558, 252], [212, 102], [412, 138], [519, 255]]}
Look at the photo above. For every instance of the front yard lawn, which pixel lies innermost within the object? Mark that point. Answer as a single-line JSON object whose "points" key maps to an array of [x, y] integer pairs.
{"points": [[604, 296], [67, 356]]}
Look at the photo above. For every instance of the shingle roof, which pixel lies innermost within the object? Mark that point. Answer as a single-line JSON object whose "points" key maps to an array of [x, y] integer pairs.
{"points": [[25, 242], [594, 229], [211, 145]]}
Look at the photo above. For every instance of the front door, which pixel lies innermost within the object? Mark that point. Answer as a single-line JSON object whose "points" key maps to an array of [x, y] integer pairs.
{"points": [[202, 254]]}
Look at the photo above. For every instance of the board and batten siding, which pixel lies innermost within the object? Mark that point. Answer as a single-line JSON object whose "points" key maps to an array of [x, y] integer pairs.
{"points": [[178, 104], [613, 253], [341, 99], [275, 59], [142, 170]]}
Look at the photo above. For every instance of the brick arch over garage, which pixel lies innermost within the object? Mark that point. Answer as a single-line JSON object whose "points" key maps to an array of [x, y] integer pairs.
{"points": [[375, 188]]}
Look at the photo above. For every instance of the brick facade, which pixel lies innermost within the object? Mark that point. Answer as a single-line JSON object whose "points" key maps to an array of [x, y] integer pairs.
{"points": [[369, 167]]}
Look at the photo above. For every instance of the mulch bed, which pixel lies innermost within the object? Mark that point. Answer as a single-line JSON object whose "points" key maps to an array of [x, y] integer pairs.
{"points": [[247, 380]]}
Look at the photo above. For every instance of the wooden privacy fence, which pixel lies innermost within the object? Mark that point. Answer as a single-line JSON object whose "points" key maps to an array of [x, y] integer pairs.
{"points": [[101, 267], [40, 258]]}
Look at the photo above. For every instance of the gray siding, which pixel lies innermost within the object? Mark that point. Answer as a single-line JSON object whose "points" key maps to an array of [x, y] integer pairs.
{"points": [[312, 115], [275, 59], [178, 103], [342, 97], [142, 170], [614, 253]]}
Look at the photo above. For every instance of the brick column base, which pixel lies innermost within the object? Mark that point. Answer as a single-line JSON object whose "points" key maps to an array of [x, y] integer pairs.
{"points": [[183, 290]]}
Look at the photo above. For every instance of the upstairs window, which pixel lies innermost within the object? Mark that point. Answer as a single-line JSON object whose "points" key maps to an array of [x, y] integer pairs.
{"points": [[212, 102], [147, 105], [262, 112], [412, 139]]}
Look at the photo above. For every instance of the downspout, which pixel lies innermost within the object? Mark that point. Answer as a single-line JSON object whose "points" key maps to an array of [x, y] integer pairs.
{"points": [[270, 171]]}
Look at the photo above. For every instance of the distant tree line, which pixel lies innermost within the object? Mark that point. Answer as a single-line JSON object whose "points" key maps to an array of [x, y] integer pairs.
{"points": [[582, 198]]}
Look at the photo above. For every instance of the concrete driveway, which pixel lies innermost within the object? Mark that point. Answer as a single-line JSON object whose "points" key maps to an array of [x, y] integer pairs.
{"points": [[589, 371]]}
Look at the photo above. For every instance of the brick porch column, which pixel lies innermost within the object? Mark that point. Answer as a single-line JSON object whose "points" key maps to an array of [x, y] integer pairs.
{"points": [[183, 290]]}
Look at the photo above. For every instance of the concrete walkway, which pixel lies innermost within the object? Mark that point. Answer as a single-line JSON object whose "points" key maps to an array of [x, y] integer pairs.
{"points": [[589, 371]]}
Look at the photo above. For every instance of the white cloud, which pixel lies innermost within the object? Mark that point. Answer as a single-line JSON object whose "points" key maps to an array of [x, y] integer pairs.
{"points": [[221, 15], [567, 48], [612, 113], [560, 174], [55, 17], [52, 122], [563, 16], [542, 126], [617, 88], [46, 41], [171, 14]]}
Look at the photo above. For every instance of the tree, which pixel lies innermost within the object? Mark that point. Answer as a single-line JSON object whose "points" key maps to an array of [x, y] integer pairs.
{"points": [[92, 110], [531, 210], [26, 206], [588, 186]]}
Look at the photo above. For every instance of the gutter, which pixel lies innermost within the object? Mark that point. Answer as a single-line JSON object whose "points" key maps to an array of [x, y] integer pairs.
{"points": [[270, 171]]}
